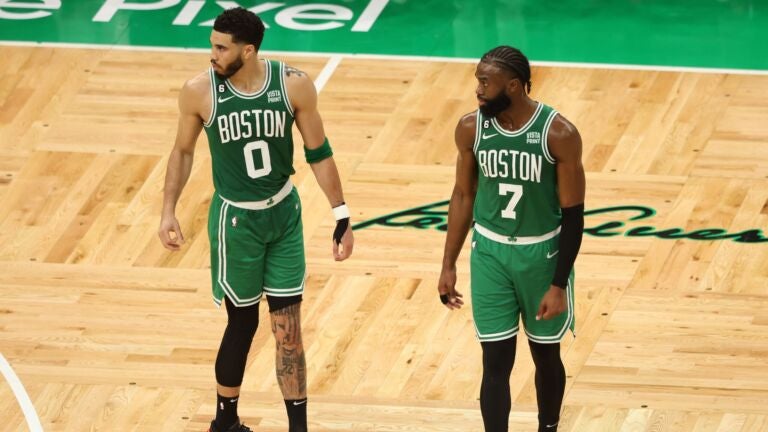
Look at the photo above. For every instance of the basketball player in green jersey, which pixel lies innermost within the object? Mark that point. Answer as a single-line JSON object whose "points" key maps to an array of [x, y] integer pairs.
{"points": [[247, 107], [519, 173]]}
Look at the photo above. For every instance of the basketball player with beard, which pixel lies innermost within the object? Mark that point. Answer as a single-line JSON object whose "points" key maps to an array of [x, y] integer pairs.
{"points": [[247, 106], [519, 176]]}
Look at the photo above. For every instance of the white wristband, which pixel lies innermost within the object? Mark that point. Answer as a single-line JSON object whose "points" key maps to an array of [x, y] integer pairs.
{"points": [[341, 212]]}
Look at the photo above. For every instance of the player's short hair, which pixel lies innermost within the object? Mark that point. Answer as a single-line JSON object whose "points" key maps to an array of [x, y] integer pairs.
{"points": [[512, 60], [243, 25]]}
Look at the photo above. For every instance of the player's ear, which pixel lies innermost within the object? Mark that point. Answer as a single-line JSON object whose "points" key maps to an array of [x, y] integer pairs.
{"points": [[513, 86], [248, 51]]}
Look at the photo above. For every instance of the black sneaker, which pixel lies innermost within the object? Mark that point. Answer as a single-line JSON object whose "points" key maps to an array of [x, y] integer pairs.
{"points": [[237, 427]]}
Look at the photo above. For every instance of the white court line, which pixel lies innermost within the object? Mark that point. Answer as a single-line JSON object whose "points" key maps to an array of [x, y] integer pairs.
{"points": [[326, 73], [578, 65], [21, 395], [369, 15]]}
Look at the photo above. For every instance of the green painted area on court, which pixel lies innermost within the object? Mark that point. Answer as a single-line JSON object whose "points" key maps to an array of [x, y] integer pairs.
{"points": [[696, 33]]}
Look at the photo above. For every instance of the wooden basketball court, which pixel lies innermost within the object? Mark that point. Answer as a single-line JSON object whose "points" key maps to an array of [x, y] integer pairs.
{"points": [[108, 331]]}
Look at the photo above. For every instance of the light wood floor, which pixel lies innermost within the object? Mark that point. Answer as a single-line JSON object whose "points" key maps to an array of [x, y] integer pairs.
{"points": [[108, 331]]}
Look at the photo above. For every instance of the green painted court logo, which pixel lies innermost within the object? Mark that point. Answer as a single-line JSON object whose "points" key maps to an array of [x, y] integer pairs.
{"points": [[291, 25], [724, 34], [306, 16], [435, 216]]}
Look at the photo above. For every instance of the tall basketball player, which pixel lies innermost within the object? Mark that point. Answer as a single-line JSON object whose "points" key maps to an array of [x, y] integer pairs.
{"points": [[519, 173], [247, 106]]}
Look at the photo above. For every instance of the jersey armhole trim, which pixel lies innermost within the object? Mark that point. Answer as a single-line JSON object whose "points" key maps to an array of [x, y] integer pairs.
{"points": [[544, 144], [284, 89], [478, 132], [213, 99]]}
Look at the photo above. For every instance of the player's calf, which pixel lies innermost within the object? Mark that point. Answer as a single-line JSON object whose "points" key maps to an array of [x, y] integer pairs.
{"points": [[495, 400], [290, 364], [550, 383]]}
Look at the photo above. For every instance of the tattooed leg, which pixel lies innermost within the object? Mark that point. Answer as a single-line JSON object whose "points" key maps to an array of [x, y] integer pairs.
{"points": [[290, 364]]}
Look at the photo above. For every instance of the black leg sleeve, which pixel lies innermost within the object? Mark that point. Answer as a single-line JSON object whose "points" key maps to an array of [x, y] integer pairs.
{"points": [[235, 344], [550, 383], [495, 400]]}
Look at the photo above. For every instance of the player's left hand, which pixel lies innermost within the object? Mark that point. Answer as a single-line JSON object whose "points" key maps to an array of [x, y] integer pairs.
{"points": [[343, 249], [553, 304]]}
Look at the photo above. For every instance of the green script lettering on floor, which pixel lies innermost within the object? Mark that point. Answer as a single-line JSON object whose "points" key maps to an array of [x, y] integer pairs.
{"points": [[435, 216], [723, 34]]}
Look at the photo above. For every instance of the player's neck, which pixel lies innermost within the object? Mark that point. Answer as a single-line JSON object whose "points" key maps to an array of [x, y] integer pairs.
{"points": [[518, 114], [250, 77]]}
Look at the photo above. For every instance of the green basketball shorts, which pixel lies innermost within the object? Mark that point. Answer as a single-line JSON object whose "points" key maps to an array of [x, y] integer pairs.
{"points": [[508, 282], [256, 250]]}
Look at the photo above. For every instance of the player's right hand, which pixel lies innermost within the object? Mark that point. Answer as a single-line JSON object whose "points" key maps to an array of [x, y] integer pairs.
{"points": [[170, 225], [446, 288]]}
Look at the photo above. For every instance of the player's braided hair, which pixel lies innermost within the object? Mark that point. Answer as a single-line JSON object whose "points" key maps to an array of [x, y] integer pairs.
{"points": [[512, 60], [242, 24]]}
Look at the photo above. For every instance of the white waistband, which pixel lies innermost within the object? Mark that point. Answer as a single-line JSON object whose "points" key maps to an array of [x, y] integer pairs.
{"points": [[263, 204], [485, 232]]}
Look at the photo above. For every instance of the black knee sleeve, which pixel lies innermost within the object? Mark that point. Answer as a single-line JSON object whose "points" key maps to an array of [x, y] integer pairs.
{"points": [[235, 344], [277, 303], [495, 400], [550, 383]]}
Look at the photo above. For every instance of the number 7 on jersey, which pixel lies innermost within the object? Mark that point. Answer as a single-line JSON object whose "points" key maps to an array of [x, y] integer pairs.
{"points": [[517, 195]]}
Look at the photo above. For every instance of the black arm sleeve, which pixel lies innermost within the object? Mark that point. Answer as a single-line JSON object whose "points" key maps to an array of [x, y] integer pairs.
{"points": [[570, 242]]}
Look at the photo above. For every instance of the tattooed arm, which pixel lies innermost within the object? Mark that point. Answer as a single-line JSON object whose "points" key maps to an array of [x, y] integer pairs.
{"points": [[292, 71], [303, 97]]}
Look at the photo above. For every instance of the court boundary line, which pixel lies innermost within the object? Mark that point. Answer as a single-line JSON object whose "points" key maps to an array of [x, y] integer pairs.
{"points": [[325, 74], [542, 63], [33, 421]]}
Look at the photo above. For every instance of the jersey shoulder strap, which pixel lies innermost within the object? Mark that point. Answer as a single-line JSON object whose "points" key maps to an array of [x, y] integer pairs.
{"points": [[480, 124], [280, 71], [217, 87]]}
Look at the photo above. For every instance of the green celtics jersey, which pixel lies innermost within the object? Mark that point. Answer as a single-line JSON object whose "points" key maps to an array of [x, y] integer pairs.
{"points": [[250, 137], [517, 180]]}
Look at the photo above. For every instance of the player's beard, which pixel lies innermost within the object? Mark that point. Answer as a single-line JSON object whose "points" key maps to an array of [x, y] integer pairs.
{"points": [[231, 69], [495, 106]]}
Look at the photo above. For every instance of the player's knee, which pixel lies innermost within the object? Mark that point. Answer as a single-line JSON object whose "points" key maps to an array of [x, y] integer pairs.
{"points": [[545, 355], [286, 321], [499, 357], [242, 321], [279, 303]]}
